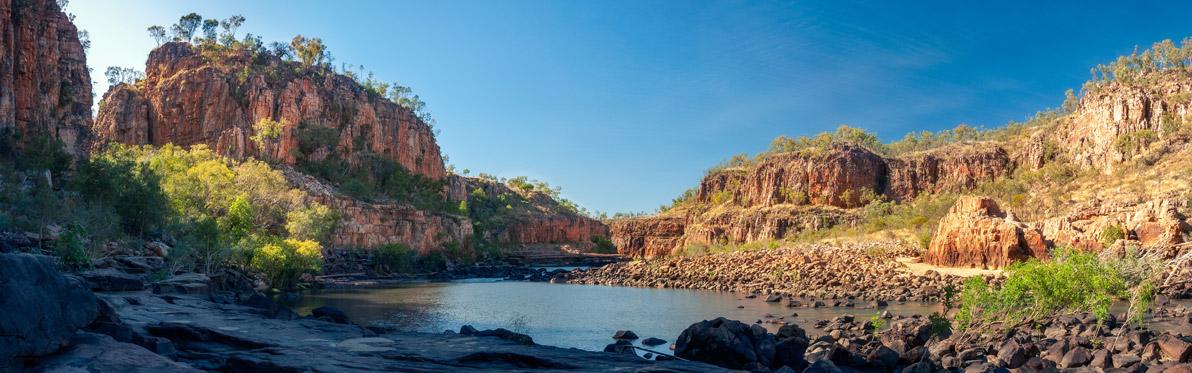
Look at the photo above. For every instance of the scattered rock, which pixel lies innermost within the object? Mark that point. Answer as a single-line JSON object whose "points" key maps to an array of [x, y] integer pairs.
{"points": [[652, 341], [624, 334]]}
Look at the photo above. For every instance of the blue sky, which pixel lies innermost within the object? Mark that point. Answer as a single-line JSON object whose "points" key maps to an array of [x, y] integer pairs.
{"points": [[625, 103]]}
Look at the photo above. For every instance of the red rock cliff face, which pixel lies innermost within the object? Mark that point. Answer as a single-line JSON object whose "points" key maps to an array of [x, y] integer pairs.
{"points": [[537, 223], [44, 82], [368, 225], [977, 234], [763, 198], [185, 99], [1105, 115]]}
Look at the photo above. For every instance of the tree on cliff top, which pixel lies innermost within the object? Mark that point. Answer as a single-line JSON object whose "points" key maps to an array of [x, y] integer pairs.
{"points": [[311, 51], [184, 30]]}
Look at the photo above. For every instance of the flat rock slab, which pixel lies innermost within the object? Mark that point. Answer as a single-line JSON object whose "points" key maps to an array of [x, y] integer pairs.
{"points": [[98, 353], [237, 338]]}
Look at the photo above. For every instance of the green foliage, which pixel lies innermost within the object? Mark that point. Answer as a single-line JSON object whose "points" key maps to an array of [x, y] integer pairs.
{"points": [[925, 240], [267, 129], [314, 223], [282, 262], [603, 245], [1072, 282], [877, 322], [70, 250], [1130, 142], [393, 258], [115, 178], [1112, 234], [315, 137], [1135, 68]]}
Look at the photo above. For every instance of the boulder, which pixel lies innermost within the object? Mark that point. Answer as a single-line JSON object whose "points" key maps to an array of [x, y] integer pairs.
{"points": [[1174, 348], [40, 309], [624, 334], [976, 234], [331, 314], [773, 298], [1076, 357], [187, 283], [726, 343], [110, 279], [653, 341]]}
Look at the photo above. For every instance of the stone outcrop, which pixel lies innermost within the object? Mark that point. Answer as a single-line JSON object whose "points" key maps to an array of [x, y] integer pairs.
{"points": [[667, 234], [367, 225], [649, 237], [790, 193], [188, 98], [40, 309], [1107, 114], [538, 221], [45, 86], [975, 233]]}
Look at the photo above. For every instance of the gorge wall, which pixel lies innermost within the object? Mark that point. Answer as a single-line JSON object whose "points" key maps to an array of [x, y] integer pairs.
{"points": [[189, 98], [538, 220], [789, 193], [45, 86]]}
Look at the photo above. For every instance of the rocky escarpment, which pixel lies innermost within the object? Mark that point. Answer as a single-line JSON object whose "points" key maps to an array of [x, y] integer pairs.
{"points": [[840, 176], [368, 225], [790, 193], [45, 86], [668, 234], [189, 98], [977, 234], [1098, 135], [537, 219]]}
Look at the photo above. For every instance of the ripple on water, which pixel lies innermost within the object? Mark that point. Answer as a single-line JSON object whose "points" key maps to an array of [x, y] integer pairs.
{"points": [[564, 315]]}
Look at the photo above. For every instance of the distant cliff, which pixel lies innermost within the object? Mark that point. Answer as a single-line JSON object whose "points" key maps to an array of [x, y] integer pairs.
{"points": [[1120, 152], [45, 86]]}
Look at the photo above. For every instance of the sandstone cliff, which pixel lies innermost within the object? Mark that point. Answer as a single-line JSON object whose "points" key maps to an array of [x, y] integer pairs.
{"points": [[787, 194], [368, 225], [1097, 136], [44, 82], [188, 98], [528, 217], [977, 234]]}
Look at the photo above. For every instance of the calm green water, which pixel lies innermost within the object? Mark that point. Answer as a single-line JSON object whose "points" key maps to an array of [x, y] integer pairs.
{"points": [[564, 315]]}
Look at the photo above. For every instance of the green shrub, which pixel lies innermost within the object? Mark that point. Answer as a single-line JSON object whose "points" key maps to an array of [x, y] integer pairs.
{"points": [[1072, 282], [432, 262], [115, 178], [393, 258], [70, 250], [925, 240], [315, 223], [1111, 235], [283, 262], [603, 245]]}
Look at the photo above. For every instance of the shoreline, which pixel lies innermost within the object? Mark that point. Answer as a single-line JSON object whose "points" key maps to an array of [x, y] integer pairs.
{"points": [[866, 271]]}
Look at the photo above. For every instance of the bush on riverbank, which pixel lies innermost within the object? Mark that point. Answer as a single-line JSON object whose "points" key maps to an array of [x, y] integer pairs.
{"points": [[283, 262], [1072, 282]]}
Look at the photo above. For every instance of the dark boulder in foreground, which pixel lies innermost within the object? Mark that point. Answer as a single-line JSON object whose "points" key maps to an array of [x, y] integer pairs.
{"points": [[40, 309], [652, 341], [736, 345]]}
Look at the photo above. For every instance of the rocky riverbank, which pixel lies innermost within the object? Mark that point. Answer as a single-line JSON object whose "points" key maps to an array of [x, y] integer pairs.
{"points": [[864, 271]]}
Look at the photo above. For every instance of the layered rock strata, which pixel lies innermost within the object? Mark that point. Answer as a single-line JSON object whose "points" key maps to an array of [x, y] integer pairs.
{"points": [[190, 98], [975, 233], [45, 86]]}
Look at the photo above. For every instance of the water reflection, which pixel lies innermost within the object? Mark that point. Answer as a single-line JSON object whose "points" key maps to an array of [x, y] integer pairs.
{"points": [[565, 315]]}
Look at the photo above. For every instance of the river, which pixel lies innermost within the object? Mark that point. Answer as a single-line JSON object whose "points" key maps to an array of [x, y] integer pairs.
{"points": [[563, 315]]}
